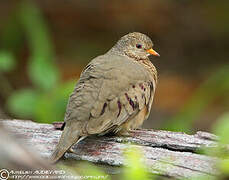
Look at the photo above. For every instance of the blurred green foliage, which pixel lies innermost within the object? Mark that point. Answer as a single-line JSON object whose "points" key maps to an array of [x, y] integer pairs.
{"points": [[135, 168], [221, 128], [46, 101], [7, 61], [41, 106], [42, 69], [216, 86]]}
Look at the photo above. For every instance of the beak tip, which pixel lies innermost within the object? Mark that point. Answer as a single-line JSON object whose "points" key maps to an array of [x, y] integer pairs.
{"points": [[152, 52]]}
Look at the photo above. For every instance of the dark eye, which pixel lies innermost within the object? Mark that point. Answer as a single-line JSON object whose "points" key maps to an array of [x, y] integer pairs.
{"points": [[139, 46]]}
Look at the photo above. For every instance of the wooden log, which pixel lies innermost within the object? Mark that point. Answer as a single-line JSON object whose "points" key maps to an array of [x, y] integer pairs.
{"points": [[171, 154]]}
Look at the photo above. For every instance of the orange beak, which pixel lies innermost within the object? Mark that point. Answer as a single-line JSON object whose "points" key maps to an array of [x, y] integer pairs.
{"points": [[151, 51]]}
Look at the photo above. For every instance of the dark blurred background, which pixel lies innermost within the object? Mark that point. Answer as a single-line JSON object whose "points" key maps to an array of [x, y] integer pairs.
{"points": [[44, 46]]}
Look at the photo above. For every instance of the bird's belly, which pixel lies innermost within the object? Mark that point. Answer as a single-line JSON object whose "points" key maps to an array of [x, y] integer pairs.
{"points": [[135, 121]]}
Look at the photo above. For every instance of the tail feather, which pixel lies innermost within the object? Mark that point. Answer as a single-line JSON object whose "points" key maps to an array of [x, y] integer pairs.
{"points": [[68, 137]]}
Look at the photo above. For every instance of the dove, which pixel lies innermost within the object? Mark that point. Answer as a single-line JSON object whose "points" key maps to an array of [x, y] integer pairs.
{"points": [[114, 93]]}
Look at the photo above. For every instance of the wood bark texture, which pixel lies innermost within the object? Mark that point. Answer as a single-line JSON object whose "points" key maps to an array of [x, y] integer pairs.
{"points": [[171, 154]]}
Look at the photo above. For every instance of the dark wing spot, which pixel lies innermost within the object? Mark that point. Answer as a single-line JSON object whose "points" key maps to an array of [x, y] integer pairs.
{"points": [[151, 86], [62, 127], [132, 104], [88, 67], [127, 97], [130, 101], [119, 108], [141, 86], [143, 97], [103, 110]]}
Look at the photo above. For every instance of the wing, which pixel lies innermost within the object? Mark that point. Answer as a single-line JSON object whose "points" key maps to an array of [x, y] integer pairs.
{"points": [[111, 113], [125, 88]]}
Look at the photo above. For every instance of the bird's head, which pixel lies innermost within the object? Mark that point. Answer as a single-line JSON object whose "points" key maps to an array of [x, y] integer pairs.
{"points": [[136, 45]]}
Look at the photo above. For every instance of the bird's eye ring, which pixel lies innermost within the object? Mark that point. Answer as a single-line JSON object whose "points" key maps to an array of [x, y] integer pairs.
{"points": [[139, 46]]}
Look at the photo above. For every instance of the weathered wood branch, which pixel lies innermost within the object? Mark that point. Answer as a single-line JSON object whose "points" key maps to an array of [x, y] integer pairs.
{"points": [[166, 153]]}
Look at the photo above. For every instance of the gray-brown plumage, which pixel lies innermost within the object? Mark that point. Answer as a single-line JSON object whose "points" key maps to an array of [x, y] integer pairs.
{"points": [[114, 93]]}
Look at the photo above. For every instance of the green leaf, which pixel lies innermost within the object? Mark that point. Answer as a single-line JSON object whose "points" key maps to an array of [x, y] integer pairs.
{"points": [[44, 112], [43, 73], [54, 109], [23, 103], [36, 28], [135, 168], [7, 61], [224, 166], [65, 89], [42, 70], [221, 128]]}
